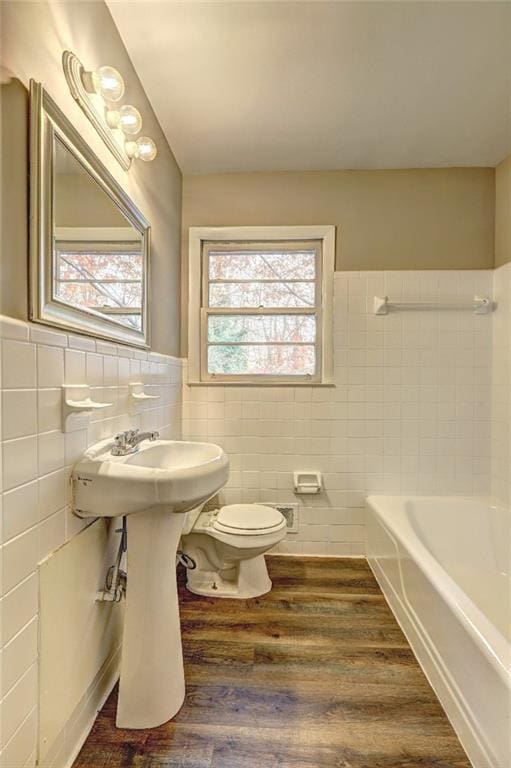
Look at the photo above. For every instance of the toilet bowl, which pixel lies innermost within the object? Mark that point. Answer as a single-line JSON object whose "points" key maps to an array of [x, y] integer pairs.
{"points": [[227, 546]]}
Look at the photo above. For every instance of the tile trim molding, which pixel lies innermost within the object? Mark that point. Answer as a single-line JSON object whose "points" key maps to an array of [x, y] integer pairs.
{"points": [[21, 330]]}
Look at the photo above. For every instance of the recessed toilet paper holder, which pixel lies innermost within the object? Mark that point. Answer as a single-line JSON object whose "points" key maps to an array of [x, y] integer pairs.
{"points": [[307, 482]]}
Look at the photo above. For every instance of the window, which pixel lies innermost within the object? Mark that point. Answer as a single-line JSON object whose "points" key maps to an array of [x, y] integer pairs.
{"points": [[260, 304], [103, 277]]}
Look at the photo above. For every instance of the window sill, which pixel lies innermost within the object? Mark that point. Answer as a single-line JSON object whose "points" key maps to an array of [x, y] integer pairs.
{"points": [[328, 384]]}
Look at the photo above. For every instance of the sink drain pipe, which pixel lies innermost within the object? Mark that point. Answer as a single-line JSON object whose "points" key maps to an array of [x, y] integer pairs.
{"points": [[115, 582], [116, 578]]}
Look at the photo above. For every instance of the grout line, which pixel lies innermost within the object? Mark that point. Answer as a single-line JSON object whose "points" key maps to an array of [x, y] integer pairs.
{"points": [[34, 709]]}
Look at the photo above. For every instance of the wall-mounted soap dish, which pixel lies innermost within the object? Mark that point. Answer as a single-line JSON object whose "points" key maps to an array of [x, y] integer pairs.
{"points": [[77, 407], [138, 396]]}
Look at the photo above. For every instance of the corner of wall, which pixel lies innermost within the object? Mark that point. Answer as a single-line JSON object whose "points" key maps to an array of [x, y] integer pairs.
{"points": [[503, 212]]}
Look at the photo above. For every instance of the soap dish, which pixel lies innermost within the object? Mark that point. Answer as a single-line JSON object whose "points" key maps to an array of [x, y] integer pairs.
{"points": [[138, 396], [77, 407]]}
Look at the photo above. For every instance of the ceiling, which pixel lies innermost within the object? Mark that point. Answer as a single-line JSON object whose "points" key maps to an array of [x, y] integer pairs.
{"points": [[258, 86]]}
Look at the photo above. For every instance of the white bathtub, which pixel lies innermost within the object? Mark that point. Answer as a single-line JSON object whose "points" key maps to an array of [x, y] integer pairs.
{"points": [[443, 564]]}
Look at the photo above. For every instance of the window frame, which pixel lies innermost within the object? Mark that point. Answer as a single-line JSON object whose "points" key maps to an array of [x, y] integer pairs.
{"points": [[253, 237], [103, 240]]}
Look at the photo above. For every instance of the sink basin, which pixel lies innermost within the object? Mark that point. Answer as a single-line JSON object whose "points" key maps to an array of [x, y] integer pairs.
{"points": [[152, 487], [162, 472]]}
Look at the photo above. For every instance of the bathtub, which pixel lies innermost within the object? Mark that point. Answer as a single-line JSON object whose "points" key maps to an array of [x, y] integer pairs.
{"points": [[443, 564]]}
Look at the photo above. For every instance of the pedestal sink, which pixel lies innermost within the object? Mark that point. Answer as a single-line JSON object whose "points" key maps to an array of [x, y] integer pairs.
{"points": [[153, 487]]}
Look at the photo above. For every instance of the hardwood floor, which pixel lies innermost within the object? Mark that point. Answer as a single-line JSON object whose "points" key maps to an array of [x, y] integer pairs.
{"points": [[317, 674]]}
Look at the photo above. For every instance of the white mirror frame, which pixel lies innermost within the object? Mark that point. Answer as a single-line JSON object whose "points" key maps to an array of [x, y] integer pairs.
{"points": [[46, 123]]}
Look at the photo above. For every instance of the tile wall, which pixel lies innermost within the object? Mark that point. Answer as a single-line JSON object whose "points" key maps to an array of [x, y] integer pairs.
{"points": [[501, 388], [36, 460], [409, 412]]}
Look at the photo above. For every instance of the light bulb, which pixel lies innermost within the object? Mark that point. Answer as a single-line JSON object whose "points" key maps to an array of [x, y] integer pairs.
{"points": [[146, 149], [108, 83], [130, 120], [131, 148], [112, 117]]}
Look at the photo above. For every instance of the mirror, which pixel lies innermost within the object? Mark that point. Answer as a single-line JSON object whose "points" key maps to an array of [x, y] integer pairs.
{"points": [[97, 253], [90, 245]]}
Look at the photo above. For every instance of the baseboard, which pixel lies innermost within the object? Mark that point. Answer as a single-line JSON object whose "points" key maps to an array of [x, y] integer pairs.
{"points": [[68, 744], [303, 556]]}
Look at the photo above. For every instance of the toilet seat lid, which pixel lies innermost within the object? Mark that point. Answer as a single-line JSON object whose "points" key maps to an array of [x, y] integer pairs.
{"points": [[249, 518]]}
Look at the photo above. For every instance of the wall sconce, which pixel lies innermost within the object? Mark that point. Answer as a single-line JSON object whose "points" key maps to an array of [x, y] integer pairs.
{"points": [[98, 94]]}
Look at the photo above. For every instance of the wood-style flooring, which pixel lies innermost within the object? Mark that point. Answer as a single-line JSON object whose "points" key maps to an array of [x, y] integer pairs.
{"points": [[316, 674]]}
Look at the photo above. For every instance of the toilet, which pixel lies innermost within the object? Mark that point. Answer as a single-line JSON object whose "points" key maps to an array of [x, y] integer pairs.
{"points": [[226, 547]]}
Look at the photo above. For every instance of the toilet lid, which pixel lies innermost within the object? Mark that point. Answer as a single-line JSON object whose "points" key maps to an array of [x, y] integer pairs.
{"points": [[250, 518]]}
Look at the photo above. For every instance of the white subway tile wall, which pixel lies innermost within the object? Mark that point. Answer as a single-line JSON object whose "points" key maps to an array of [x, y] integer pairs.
{"points": [[35, 464], [501, 388], [420, 404], [409, 412]]}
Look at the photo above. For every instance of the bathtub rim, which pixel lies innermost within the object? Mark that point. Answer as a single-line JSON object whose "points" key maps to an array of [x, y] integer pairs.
{"points": [[497, 649]]}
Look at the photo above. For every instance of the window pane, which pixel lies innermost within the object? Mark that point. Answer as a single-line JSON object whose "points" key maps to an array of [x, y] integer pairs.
{"points": [[288, 360], [97, 294], [256, 265], [257, 328], [133, 321], [101, 281], [100, 266], [261, 294]]}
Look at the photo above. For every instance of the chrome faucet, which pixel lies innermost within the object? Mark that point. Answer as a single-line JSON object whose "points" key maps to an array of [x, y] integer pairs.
{"points": [[128, 442]]}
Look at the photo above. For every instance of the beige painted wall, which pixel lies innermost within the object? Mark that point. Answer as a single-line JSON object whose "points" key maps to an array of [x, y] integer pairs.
{"points": [[80, 202], [503, 212], [397, 219], [13, 200], [34, 35]]}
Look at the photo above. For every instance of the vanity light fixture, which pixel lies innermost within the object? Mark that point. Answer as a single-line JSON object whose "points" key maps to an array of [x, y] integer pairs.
{"points": [[98, 93]]}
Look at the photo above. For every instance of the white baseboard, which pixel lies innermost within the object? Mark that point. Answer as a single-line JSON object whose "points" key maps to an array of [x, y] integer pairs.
{"points": [[301, 555]]}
